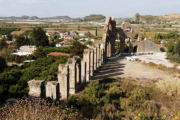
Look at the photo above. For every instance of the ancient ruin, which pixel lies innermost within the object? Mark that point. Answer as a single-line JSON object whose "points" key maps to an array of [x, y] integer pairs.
{"points": [[77, 72]]}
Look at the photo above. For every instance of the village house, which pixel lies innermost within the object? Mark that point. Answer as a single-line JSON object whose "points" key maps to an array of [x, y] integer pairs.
{"points": [[64, 43], [58, 54], [25, 50], [61, 35], [68, 37]]}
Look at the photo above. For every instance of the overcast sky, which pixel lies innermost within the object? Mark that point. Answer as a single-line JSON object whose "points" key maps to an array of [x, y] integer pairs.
{"points": [[79, 8]]}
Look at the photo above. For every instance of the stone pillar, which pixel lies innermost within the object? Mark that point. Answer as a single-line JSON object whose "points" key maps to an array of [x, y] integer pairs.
{"points": [[140, 38], [63, 79], [103, 55], [83, 71], [36, 88], [78, 73], [98, 56], [109, 49], [95, 59], [52, 90], [92, 63], [86, 58]]}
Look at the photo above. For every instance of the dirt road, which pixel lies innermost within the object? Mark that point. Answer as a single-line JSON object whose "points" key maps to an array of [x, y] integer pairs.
{"points": [[118, 67]]}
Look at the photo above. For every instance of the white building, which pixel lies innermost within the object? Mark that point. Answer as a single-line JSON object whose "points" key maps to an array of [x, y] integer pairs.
{"points": [[25, 50], [68, 37]]}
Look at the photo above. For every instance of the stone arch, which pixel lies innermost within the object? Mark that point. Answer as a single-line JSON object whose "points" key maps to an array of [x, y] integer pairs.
{"points": [[121, 36], [75, 74], [109, 37]]}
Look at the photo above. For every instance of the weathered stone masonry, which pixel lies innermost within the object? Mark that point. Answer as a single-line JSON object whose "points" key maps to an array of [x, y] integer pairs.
{"points": [[78, 72]]}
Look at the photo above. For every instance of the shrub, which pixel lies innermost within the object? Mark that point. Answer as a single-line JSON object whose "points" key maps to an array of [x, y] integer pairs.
{"points": [[170, 46], [162, 49], [177, 47]]}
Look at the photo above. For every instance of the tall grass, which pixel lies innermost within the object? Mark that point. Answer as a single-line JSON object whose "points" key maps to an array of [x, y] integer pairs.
{"points": [[38, 109]]}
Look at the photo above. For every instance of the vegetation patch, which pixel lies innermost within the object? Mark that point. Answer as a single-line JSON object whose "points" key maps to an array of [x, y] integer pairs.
{"points": [[108, 99], [112, 99], [13, 80], [38, 109]]}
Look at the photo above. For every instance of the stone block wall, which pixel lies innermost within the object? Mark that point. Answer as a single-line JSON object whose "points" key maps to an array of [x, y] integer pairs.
{"points": [[36, 88]]}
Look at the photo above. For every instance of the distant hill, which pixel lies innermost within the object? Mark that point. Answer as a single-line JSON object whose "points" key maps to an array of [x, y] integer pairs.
{"points": [[20, 18], [172, 16], [59, 17], [150, 19], [94, 17]]}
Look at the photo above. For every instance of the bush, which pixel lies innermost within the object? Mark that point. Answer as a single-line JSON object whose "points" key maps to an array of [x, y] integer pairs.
{"points": [[173, 57], [177, 47], [162, 49], [170, 46]]}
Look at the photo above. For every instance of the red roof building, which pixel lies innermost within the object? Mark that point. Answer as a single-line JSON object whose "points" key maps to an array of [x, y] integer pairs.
{"points": [[59, 54]]}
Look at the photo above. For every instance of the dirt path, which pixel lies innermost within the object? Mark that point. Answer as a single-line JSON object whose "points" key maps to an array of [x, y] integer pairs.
{"points": [[144, 72], [118, 67]]}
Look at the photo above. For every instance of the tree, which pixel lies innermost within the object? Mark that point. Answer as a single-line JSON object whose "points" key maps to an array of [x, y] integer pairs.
{"points": [[22, 40], [9, 37], [39, 37], [77, 48], [2, 63], [39, 53], [177, 47], [3, 43]]}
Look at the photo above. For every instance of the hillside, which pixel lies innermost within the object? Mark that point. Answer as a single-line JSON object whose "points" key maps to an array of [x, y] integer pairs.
{"points": [[94, 17], [150, 19], [172, 16]]}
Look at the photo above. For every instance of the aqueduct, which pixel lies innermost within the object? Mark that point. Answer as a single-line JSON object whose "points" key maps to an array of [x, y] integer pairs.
{"points": [[77, 73]]}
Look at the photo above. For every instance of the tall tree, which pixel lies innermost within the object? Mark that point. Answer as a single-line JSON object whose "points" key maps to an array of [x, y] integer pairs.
{"points": [[22, 40], [39, 37], [77, 48], [3, 43], [2, 63]]}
